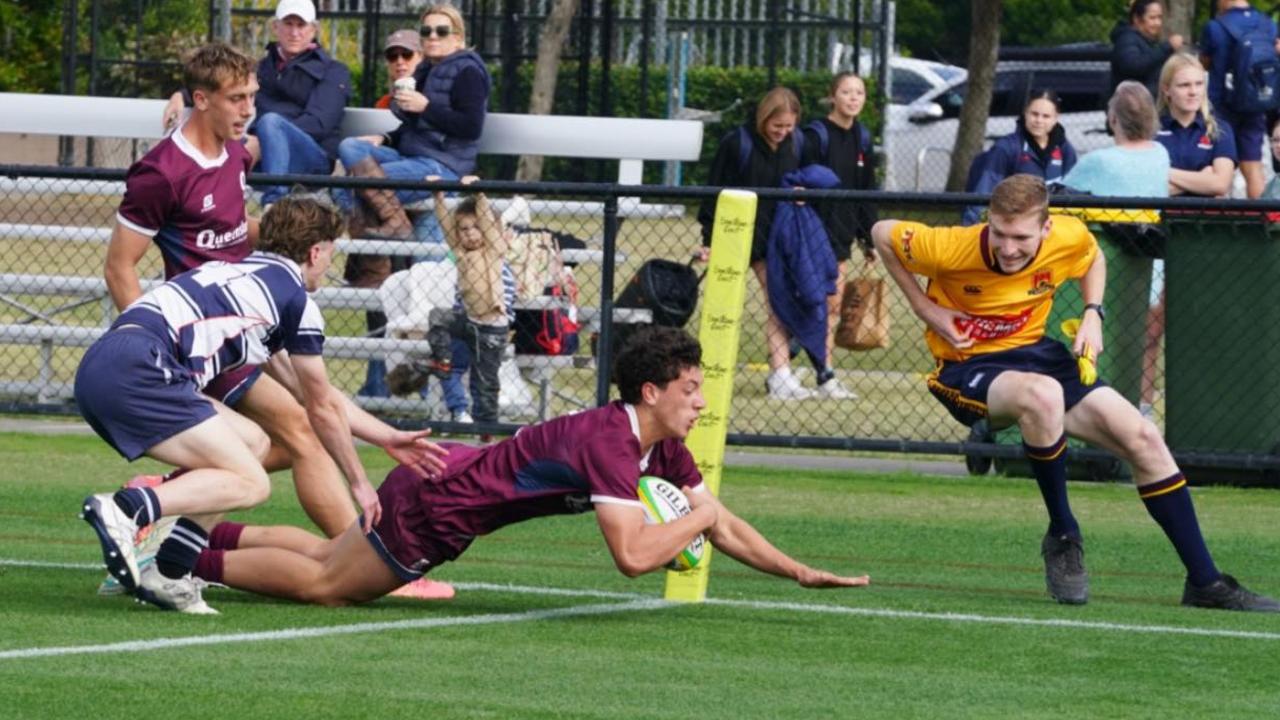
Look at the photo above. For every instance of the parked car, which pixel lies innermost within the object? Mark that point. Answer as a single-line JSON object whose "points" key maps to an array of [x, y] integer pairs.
{"points": [[920, 135], [912, 79]]}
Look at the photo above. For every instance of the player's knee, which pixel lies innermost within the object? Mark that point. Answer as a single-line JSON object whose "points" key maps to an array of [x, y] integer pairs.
{"points": [[1146, 440], [1041, 397], [255, 488]]}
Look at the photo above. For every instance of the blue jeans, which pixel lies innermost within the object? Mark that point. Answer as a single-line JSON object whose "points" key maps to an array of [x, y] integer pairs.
{"points": [[287, 150], [352, 151]]}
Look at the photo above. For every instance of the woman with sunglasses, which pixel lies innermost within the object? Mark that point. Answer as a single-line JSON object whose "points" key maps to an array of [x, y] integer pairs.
{"points": [[439, 134]]}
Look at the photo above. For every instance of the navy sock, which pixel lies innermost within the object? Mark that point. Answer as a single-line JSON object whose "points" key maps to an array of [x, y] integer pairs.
{"points": [[1169, 503], [141, 504], [178, 553], [1049, 465]]}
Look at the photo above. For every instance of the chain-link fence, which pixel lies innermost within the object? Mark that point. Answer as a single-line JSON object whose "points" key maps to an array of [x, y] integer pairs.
{"points": [[1188, 335]]}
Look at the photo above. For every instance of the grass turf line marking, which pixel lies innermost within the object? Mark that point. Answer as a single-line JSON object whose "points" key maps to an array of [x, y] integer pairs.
{"points": [[300, 633], [808, 607]]}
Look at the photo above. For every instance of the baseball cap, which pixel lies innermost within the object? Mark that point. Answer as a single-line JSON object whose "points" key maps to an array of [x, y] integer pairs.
{"points": [[304, 9], [407, 39]]}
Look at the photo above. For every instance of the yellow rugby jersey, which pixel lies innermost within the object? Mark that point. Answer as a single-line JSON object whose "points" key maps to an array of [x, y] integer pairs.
{"points": [[1008, 310]]}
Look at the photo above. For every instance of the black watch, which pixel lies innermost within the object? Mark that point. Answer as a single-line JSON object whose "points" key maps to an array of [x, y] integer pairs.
{"points": [[1102, 314]]}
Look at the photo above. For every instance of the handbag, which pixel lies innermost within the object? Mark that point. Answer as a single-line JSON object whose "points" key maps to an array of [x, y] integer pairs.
{"points": [[864, 315], [551, 330]]}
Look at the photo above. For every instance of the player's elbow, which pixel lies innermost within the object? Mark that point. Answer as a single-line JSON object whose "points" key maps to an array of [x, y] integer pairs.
{"points": [[880, 235], [632, 566]]}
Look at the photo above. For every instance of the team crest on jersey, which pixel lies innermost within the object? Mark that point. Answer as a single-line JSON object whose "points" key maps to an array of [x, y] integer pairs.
{"points": [[1041, 282], [1205, 143], [208, 203], [1055, 157]]}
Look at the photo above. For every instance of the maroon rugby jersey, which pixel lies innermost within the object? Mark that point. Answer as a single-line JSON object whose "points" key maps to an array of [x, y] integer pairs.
{"points": [[562, 466], [193, 207]]}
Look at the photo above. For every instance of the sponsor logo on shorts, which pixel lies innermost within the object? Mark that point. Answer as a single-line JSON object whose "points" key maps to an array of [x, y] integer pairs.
{"points": [[977, 378], [1041, 283], [577, 502]]}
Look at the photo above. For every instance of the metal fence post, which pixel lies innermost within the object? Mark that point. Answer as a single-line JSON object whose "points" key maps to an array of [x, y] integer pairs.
{"points": [[604, 349]]}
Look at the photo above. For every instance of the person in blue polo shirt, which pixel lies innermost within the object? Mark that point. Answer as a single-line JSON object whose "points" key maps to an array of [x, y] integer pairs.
{"points": [[1236, 20], [1202, 162], [1038, 146], [1201, 144]]}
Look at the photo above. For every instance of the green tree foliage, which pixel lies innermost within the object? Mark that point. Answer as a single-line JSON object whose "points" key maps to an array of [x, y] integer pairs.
{"points": [[709, 88], [932, 30], [30, 45]]}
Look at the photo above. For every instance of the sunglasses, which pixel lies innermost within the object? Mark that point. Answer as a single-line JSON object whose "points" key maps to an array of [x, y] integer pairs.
{"points": [[399, 54], [441, 31]]}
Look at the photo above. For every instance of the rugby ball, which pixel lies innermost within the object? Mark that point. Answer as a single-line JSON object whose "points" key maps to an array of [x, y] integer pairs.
{"points": [[664, 502]]}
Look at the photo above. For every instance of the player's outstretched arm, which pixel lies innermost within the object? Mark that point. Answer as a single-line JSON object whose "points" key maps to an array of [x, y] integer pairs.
{"points": [[405, 447], [637, 547], [327, 413], [736, 538]]}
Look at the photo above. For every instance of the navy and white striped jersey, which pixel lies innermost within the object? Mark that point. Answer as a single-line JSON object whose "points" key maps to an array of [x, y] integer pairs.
{"points": [[222, 315]]}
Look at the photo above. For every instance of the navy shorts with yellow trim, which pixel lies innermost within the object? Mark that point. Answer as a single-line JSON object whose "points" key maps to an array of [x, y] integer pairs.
{"points": [[962, 385]]}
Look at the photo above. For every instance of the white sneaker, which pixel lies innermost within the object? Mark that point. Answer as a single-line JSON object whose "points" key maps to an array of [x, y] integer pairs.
{"points": [[181, 594], [115, 533], [833, 389], [146, 542], [786, 387], [462, 416]]}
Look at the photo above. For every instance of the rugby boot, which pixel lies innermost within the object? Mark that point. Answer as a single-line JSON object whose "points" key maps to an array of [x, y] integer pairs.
{"points": [[1226, 593], [1064, 573]]}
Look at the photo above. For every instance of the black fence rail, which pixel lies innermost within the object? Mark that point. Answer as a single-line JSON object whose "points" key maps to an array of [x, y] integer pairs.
{"points": [[1191, 334]]}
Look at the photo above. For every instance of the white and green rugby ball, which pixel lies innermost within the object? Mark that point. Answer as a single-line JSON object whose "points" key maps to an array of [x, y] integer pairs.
{"points": [[664, 502]]}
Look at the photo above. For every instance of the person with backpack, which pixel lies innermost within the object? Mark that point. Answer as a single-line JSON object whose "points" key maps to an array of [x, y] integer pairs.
{"points": [[843, 144], [1239, 49], [755, 155], [1038, 146]]}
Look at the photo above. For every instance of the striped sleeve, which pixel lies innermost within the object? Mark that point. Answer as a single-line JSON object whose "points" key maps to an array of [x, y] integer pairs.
{"points": [[509, 292], [308, 338]]}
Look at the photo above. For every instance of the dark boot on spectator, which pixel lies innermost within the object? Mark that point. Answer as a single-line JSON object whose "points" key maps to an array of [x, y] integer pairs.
{"points": [[382, 203]]}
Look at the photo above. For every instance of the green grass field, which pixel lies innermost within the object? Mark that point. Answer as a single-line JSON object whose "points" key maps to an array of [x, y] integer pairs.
{"points": [[956, 623]]}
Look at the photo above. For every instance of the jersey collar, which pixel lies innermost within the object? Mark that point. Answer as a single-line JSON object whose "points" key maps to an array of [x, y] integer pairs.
{"points": [[196, 156], [634, 420]]}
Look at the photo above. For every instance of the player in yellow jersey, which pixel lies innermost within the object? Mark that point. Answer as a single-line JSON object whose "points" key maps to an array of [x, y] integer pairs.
{"points": [[990, 289]]}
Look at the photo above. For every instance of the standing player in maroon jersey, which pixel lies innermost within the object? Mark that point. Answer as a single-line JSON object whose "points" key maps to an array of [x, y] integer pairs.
{"points": [[187, 195], [572, 464]]}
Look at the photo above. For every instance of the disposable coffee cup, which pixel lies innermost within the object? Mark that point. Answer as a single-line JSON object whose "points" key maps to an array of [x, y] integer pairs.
{"points": [[404, 83]]}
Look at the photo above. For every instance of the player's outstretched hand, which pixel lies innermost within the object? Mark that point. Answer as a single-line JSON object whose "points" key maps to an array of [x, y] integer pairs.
{"points": [[414, 449], [813, 578], [367, 498]]}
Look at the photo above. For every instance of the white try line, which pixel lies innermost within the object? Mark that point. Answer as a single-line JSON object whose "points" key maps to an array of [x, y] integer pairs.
{"points": [[807, 608], [314, 632]]}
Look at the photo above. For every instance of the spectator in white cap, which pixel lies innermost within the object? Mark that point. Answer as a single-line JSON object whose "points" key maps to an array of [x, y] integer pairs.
{"points": [[301, 96]]}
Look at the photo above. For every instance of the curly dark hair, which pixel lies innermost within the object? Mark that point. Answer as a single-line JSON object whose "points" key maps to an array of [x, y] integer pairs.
{"points": [[654, 355], [294, 223]]}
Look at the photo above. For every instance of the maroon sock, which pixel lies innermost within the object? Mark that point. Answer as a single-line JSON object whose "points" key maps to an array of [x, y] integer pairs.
{"points": [[225, 536], [209, 565]]}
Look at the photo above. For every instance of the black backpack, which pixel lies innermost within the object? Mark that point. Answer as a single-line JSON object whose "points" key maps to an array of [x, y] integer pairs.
{"points": [[1253, 71]]}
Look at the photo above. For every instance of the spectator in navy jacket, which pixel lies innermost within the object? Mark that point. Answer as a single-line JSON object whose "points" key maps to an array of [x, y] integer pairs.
{"points": [[1137, 52], [1038, 146], [440, 124]]}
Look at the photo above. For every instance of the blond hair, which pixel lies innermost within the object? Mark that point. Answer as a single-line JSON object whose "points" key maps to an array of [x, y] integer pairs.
{"points": [[1019, 195], [1176, 63], [775, 102], [451, 12], [214, 66]]}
